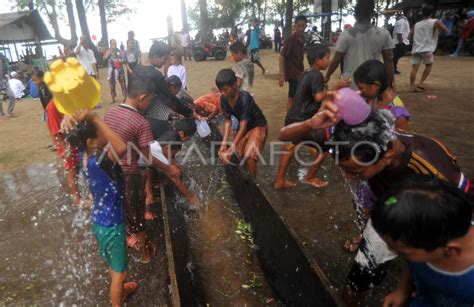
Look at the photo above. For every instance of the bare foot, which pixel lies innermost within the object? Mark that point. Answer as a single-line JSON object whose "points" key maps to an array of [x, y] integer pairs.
{"points": [[128, 289], [351, 246], [316, 182], [285, 184]]}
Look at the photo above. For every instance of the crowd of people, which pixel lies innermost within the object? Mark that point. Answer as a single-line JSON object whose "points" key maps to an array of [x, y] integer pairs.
{"points": [[415, 201]]}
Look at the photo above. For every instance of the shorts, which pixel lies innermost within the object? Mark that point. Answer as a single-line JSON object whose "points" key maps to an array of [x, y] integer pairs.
{"points": [[251, 145], [135, 203], [112, 245], [293, 86], [371, 261], [255, 56], [422, 58]]}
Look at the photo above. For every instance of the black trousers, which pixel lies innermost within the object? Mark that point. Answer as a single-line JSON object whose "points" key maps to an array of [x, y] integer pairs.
{"points": [[398, 53]]}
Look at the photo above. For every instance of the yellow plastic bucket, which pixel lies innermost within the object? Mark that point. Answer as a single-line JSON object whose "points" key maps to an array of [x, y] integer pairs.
{"points": [[73, 89]]}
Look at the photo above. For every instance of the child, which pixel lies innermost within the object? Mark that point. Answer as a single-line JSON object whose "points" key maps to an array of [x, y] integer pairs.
{"points": [[250, 138], [185, 128], [45, 95], [429, 224], [107, 185], [373, 82], [243, 67], [176, 88], [176, 68], [307, 100], [127, 121]]}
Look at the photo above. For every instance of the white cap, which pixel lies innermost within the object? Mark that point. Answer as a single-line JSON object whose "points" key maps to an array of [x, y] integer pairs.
{"points": [[13, 74]]}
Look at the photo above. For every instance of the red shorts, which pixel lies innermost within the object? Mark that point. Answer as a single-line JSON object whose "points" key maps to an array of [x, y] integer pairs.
{"points": [[69, 157]]}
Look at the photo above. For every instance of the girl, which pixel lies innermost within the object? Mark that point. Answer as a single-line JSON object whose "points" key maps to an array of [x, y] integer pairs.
{"points": [[374, 84], [116, 60], [176, 68]]}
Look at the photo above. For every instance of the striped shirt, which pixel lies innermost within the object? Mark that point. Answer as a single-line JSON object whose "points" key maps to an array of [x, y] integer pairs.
{"points": [[423, 155], [134, 130]]}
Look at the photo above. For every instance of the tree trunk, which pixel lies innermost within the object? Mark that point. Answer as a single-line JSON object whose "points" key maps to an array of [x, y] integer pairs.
{"points": [[184, 16], [72, 21], [103, 23], [53, 19], [326, 26], [204, 26], [288, 19]]}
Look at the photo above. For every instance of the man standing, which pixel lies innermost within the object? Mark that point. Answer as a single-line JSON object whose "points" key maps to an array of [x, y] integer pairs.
{"points": [[86, 57], [292, 58], [255, 45], [185, 40], [131, 37], [425, 40], [361, 43], [277, 38], [5, 87], [401, 31]]}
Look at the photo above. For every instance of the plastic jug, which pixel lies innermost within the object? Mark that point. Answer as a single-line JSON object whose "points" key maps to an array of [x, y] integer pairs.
{"points": [[203, 128], [352, 107], [73, 89]]}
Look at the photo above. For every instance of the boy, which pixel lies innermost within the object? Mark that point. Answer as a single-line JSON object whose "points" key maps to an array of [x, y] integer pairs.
{"points": [[309, 95], [250, 138], [107, 186], [375, 152], [254, 45], [164, 100], [127, 121], [429, 223], [243, 67], [292, 58], [425, 40], [176, 88], [185, 128]]}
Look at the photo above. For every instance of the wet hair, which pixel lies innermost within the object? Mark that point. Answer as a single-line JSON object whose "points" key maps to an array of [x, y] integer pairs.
{"points": [[174, 81], [38, 74], [427, 10], [368, 140], [187, 125], [238, 46], [225, 77], [318, 51], [159, 49], [78, 136], [301, 18], [364, 10], [172, 139], [372, 71], [139, 85], [423, 212]]}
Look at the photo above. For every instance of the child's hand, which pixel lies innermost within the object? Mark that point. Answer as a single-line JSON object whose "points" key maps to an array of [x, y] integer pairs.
{"points": [[281, 80], [395, 299], [342, 83], [327, 116]]}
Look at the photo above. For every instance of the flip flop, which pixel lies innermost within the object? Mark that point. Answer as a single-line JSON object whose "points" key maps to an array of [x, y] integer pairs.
{"points": [[153, 251], [149, 215], [421, 87]]}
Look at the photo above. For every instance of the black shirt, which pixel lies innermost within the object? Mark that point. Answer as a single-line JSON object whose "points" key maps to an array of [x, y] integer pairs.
{"points": [[163, 94], [45, 95], [304, 106], [245, 109]]}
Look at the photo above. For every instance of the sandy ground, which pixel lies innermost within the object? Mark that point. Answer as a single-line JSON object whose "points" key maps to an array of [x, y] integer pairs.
{"points": [[446, 115]]}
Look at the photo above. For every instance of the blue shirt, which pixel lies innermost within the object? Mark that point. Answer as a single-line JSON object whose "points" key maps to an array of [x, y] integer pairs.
{"points": [[438, 288], [255, 38], [107, 185]]}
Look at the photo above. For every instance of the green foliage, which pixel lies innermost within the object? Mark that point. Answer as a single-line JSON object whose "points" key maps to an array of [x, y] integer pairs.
{"points": [[222, 14], [113, 8]]}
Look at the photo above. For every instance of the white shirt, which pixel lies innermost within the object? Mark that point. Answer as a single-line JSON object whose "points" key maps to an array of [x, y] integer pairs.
{"points": [[87, 59], [425, 39], [401, 27], [157, 153], [180, 71], [184, 40], [17, 88]]}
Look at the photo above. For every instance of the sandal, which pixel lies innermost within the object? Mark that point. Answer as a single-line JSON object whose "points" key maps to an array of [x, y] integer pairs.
{"points": [[153, 251], [421, 87], [128, 289], [133, 242], [149, 215]]}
